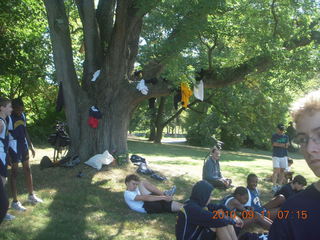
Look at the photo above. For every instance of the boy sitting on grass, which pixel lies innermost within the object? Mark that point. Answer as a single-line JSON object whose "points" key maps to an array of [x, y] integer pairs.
{"points": [[144, 197], [236, 201]]}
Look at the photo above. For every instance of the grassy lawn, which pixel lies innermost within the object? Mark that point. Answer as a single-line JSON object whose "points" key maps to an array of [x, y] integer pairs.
{"points": [[92, 207]]}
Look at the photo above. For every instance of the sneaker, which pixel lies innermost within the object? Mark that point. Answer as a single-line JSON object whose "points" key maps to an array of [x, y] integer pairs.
{"points": [[34, 199], [9, 217], [170, 192], [18, 206]]}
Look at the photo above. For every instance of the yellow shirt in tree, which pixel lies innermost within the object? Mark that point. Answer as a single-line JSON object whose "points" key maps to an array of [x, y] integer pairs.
{"points": [[186, 93]]}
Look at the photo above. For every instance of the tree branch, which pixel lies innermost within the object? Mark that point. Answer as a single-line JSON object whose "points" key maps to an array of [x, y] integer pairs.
{"points": [[93, 53], [183, 109], [179, 38], [105, 14], [117, 49], [273, 11]]}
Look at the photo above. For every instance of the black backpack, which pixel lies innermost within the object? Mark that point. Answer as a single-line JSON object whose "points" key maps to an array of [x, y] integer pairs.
{"points": [[137, 160]]}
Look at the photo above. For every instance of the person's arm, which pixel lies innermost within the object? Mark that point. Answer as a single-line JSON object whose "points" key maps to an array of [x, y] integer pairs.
{"points": [[152, 198], [208, 170], [276, 144], [214, 207], [208, 219], [30, 144], [236, 204], [1, 126], [219, 170]]}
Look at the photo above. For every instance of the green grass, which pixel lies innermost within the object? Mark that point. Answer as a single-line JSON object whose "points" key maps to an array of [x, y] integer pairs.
{"points": [[92, 207]]}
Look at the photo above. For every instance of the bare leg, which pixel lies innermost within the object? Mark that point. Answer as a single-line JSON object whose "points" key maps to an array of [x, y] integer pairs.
{"points": [[232, 232], [223, 233], [13, 181], [28, 175], [275, 202], [147, 188], [275, 176], [281, 176], [176, 206]]}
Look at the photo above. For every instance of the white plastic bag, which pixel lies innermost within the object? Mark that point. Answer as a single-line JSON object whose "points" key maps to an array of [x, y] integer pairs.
{"points": [[100, 159]]}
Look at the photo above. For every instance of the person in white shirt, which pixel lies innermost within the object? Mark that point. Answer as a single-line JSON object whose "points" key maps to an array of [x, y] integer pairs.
{"points": [[144, 197]]}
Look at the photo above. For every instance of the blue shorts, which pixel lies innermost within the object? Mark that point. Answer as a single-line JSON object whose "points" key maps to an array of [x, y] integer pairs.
{"points": [[20, 156], [3, 166]]}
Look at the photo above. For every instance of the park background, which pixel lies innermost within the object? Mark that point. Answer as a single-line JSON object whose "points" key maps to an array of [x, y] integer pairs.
{"points": [[256, 57]]}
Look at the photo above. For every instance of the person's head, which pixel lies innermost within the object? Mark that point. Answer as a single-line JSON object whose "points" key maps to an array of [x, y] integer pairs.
{"points": [[290, 161], [280, 128], [132, 181], [299, 182], [201, 193], [18, 106], [252, 181], [306, 116], [216, 152], [5, 106], [241, 194]]}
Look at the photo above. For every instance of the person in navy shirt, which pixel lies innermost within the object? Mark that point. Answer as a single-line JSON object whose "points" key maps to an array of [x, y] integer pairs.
{"points": [[199, 220], [299, 216], [280, 143], [19, 146], [290, 189]]}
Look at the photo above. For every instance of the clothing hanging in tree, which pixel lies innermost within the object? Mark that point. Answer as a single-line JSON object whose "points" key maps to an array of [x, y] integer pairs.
{"points": [[198, 90], [186, 93], [94, 116], [60, 101], [95, 76], [142, 87]]}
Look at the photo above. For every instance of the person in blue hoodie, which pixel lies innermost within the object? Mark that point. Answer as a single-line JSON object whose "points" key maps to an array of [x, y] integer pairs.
{"points": [[198, 220]]}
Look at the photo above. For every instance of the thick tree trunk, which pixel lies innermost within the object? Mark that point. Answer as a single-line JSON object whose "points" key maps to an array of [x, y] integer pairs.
{"points": [[111, 133], [159, 133], [153, 116]]}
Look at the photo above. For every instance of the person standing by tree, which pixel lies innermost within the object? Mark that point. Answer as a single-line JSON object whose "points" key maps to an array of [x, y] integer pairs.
{"points": [[19, 152], [280, 144], [5, 111], [303, 209]]}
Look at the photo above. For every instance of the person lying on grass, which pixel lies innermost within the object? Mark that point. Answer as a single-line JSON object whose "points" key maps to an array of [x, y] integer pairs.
{"points": [[235, 203], [200, 220], [144, 197]]}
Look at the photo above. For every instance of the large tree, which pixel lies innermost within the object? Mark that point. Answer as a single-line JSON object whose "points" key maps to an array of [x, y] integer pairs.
{"points": [[112, 31]]}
